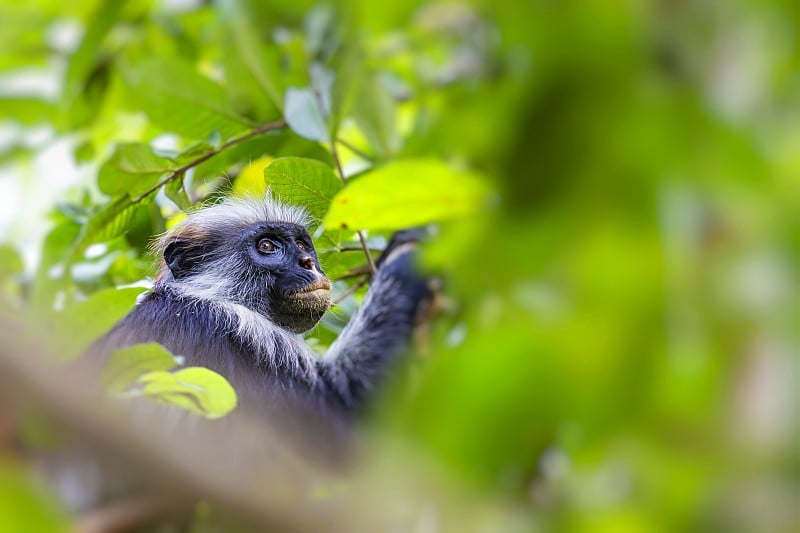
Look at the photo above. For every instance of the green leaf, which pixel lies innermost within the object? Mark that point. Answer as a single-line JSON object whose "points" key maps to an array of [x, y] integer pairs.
{"points": [[112, 221], [10, 261], [374, 113], [337, 264], [133, 168], [47, 283], [26, 110], [304, 115], [260, 60], [24, 506], [179, 99], [126, 365], [304, 182], [250, 181], [349, 71], [194, 152], [87, 73], [77, 327], [195, 389], [407, 193], [85, 152], [176, 192]]}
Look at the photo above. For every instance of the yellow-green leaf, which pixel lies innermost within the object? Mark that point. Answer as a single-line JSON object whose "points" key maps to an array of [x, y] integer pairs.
{"points": [[304, 182], [407, 193], [195, 389], [125, 365]]}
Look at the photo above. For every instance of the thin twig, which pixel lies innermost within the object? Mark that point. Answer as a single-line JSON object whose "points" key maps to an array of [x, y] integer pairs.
{"points": [[358, 249], [360, 153], [354, 273], [269, 126], [353, 288], [360, 233]]}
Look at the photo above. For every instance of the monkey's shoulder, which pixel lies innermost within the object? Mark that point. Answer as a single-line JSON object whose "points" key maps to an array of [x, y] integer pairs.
{"points": [[225, 337], [162, 315]]}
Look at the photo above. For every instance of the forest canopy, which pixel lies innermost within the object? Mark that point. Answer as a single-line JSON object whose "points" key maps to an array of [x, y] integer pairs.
{"points": [[613, 195]]}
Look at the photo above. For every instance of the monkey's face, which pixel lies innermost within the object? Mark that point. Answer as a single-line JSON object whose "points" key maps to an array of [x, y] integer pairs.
{"points": [[286, 277], [269, 267]]}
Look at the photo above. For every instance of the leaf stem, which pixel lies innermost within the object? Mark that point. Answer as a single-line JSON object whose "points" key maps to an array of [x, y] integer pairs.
{"points": [[269, 126]]}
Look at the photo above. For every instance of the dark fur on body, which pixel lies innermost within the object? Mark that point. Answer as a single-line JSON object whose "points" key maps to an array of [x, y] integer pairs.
{"points": [[215, 303], [220, 303]]}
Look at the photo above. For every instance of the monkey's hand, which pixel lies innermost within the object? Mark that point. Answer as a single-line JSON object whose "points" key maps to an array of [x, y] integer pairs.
{"points": [[403, 247], [434, 302], [383, 326], [402, 242]]}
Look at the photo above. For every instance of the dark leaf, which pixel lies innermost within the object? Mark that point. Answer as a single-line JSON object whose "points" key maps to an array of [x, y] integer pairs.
{"points": [[304, 182]]}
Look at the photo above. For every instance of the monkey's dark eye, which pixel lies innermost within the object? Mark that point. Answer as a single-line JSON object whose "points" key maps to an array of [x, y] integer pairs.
{"points": [[266, 246], [302, 246]]}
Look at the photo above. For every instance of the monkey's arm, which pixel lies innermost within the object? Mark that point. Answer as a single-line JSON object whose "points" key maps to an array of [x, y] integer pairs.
{"points": [[382, 327]]}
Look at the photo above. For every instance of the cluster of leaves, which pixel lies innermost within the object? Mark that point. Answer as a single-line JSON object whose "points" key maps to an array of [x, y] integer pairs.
{"points": [[618, 316], [297, 116]]}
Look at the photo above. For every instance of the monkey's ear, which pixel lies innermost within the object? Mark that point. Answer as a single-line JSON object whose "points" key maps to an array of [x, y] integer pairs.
{"points": [[175, 256]]}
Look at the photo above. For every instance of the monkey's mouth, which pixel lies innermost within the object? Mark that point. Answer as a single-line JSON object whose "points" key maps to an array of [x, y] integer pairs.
{"points": [[318, 290]]}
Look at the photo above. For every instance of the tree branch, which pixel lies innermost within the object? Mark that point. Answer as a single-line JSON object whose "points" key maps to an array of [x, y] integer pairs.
{"points": [[269, 126]]}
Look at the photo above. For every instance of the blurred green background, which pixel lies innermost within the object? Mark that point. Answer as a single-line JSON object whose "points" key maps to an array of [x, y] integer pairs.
{"points": [[620, 349]]}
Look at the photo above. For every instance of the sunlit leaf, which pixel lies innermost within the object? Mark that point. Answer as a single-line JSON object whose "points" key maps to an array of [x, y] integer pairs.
{"points": [[305, 182], [126, 365], [195, 389], [407, 193], [250, 181]]}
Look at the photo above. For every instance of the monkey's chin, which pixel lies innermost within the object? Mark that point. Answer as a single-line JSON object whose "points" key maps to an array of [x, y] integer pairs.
{"points": [[316, 294], [300, 310], [318, 298]]}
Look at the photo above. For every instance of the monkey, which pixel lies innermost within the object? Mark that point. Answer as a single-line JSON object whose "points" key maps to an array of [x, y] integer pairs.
{"points": [[239, 281]]}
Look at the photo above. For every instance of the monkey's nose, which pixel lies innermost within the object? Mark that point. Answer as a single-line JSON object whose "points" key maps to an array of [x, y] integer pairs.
{"points": [[307, 263]]}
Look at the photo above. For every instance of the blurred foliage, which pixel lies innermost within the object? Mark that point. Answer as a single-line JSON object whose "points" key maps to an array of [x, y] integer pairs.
{"points": [[615, 187], [23, 504]]}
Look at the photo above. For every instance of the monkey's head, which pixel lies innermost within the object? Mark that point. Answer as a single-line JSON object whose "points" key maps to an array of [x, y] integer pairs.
{"points": [[254, 253]]}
